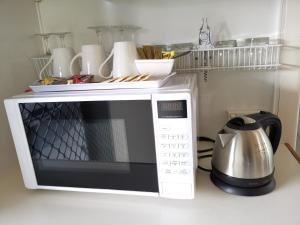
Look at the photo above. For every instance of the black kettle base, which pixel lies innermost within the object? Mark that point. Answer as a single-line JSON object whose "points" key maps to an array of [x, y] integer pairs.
{"points": [[244, 191]]}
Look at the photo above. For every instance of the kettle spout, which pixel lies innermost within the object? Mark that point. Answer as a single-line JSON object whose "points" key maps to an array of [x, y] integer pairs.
{"points": [[225, 138]]}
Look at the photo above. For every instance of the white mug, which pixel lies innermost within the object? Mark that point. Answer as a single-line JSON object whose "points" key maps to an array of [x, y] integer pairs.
{"points": [[125, 54], [92, 57], [61, 58]]}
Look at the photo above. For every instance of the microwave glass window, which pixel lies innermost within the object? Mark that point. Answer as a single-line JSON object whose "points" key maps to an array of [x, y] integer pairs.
{"points": [[55, 131], [107, 144]]}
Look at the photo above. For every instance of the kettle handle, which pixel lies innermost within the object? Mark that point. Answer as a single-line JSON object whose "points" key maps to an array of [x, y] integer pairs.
{"points": [[267, 119]]}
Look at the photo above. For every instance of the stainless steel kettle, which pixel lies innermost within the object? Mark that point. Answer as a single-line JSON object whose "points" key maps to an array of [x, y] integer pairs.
{"points": [[242, 161]]}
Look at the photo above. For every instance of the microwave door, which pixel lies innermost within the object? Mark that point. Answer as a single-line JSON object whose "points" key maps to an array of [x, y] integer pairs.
{"points": [[92, 144]]}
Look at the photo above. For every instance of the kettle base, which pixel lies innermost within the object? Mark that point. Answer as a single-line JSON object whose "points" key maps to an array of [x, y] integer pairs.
{"points": [[244, 191]]}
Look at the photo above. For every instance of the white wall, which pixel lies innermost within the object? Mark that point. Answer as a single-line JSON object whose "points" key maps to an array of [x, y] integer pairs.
{"points": [[171, 21], [17, 22], [163, 21], [290, 78], [179, 21], [224, 91]]}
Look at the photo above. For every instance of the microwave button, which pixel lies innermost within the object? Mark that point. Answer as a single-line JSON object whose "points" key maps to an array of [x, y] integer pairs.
{"points": [[174, 163], [165, 163], [184, 137], [174, 154], [175, 137], [184, 171], [175, 171], [184, 146], [168, 155], [165, 154], [178, 137], [165, 146], [174, 146], [163, 128], [162, 146], [183, 154], [163, 136], [167, 171], [184, 163]]}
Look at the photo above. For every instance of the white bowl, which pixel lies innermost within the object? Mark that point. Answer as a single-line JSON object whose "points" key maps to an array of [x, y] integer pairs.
{"points": [[154, 67]]}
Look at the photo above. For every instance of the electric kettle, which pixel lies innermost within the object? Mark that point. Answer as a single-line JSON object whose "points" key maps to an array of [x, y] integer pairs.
{"points": [[242, 161]]}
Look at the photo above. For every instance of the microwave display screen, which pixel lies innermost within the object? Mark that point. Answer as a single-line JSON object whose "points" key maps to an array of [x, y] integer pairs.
{"points": [[172, 109]]}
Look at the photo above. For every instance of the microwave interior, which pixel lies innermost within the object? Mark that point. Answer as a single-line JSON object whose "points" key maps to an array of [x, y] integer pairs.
{"points": [[92, 144]]}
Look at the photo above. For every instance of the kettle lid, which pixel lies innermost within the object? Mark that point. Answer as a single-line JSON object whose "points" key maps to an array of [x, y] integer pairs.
{"points": [[243, 123]]}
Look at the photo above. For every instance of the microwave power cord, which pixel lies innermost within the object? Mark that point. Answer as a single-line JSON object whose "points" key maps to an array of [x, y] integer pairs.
{"points": [[206, 139]]}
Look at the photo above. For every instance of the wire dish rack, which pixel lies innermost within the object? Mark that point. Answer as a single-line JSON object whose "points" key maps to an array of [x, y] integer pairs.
{"points": [[249, 58], [266, 57]]}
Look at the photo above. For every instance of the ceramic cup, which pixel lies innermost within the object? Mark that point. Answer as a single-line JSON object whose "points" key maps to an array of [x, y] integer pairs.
{"points": [[125, 55], [92, 57], [61, 58]]}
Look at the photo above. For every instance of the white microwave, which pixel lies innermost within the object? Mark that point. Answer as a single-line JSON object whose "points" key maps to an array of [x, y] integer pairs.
{"points": [[133, 141]]}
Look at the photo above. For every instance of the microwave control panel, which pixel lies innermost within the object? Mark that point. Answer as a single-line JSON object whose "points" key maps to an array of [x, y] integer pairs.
{"points": [[174, 149]]}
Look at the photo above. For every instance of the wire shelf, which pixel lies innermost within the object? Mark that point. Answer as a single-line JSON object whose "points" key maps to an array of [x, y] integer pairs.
{"points": [[265, 57]]}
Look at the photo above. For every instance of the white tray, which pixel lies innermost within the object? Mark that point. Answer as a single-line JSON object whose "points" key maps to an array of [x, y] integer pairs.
{"points": [[153, 82]]}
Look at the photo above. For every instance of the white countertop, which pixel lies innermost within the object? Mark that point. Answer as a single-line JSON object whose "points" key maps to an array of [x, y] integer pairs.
{"points": [[211, 205]]}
